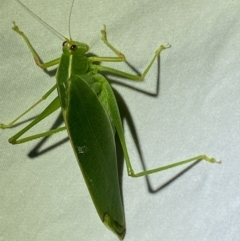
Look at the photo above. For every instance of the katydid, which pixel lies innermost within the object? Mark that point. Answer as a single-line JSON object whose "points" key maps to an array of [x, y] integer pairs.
{"points": [[92, 119]]}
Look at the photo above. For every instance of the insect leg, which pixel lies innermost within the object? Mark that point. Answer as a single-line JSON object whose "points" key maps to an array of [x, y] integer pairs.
{"points": [[115, 116], [34, 53], [4, 126], [122, 73], [104, 39], [163, 168], [53, 106], [14, 141]]}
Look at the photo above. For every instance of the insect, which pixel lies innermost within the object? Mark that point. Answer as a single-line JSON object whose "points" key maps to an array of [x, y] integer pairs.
{"points": [[92, 119]]}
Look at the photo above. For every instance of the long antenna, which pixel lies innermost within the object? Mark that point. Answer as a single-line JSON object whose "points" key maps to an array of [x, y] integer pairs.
{"points": [[41, 20], [69, 21]]}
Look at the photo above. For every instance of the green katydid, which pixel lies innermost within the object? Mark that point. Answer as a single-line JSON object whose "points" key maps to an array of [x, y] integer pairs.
{"points": [[92, 118]]}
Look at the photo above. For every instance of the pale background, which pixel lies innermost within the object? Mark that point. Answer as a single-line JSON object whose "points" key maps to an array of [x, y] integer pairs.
{"points": [[196, 112]]}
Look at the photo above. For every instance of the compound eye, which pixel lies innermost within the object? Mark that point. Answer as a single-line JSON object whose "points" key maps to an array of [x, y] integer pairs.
{"points": [[73, 47]]}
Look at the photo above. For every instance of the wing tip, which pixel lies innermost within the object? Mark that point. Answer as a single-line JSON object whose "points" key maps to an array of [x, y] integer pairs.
{"points": [[114, 226]]}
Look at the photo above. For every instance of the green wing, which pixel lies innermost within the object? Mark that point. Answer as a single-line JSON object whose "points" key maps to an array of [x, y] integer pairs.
{"points": [[92, 137]]}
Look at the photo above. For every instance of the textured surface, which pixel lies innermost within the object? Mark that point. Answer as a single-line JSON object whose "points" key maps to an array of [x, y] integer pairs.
{"points": [[197, 111]]}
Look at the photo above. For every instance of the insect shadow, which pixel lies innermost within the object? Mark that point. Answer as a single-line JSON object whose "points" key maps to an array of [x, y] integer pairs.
{"points": [[126, 116]]}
